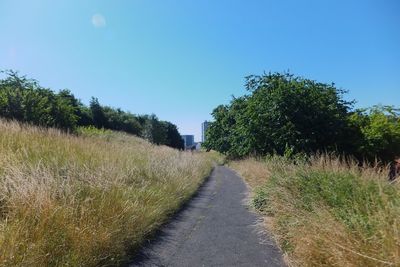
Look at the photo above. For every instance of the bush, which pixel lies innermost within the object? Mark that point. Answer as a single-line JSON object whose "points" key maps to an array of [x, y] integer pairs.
{"points": [[380, 132]]}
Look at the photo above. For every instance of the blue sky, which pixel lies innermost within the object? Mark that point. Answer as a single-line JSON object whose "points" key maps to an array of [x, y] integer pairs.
{"points": [[180, 59]]}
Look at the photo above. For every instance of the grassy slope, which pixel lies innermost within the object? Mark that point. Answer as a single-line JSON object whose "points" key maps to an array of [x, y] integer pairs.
{"points": [[89, 200], [327, 213]]}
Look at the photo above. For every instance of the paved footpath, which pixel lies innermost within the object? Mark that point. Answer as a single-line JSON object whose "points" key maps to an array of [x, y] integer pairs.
{"points": [[215, 228]]}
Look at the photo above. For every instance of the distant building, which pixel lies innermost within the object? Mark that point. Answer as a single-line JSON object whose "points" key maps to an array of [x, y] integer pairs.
{"points": [[188, 140], [204, 127]]}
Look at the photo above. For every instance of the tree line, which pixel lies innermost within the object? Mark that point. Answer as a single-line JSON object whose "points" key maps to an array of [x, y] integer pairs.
{"points": [[284, 114], [25, 100]]}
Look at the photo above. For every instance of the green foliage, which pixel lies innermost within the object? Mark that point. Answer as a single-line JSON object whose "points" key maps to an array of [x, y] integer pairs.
{"points": [[153, 129], [122, 121], [218, 133], [284, 114], [160, 132], [379, 128], [98, 115], [25, 100], [173, 138]]}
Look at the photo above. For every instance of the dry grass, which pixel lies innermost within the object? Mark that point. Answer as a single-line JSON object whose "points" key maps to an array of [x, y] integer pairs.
{"points": [[86, 201], [327, 212]]}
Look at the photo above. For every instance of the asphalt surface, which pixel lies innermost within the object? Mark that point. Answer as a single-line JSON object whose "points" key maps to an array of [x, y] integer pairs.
{"points": [[216, 228]]}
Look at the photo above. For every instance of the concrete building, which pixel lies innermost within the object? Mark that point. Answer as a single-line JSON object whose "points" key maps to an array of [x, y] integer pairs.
{"points": [[204, 127], [188, 140]]}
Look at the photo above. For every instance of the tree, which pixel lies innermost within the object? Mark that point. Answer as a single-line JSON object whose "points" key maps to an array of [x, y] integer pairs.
{"points": [[379, 129], [12, 90], [154, 130], [82, 112], [173, 138], [122, 121], [84, 115], [281, 112], [218, 132], [64, 111], [98, 115]]}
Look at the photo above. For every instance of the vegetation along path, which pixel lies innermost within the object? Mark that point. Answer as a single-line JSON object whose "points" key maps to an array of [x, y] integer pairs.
{"points": [[214, 229]]}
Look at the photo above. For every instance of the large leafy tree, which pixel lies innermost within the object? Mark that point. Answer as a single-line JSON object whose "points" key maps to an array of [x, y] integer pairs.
{"points": [[281, 112], [287, 111]]}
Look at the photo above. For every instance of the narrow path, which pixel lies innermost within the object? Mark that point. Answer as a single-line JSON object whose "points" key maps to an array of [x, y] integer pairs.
{"points": [[214, 229]]}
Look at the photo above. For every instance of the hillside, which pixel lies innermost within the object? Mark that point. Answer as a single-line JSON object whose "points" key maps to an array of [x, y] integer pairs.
{"points": [[86, 200]]}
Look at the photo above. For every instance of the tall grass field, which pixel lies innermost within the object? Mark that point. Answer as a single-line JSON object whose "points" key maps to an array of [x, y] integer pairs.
{"points": [[326, 211], [87, 199]]}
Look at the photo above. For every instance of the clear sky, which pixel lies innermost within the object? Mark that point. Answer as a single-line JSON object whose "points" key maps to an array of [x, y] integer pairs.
{"points": [[181, 58]]}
